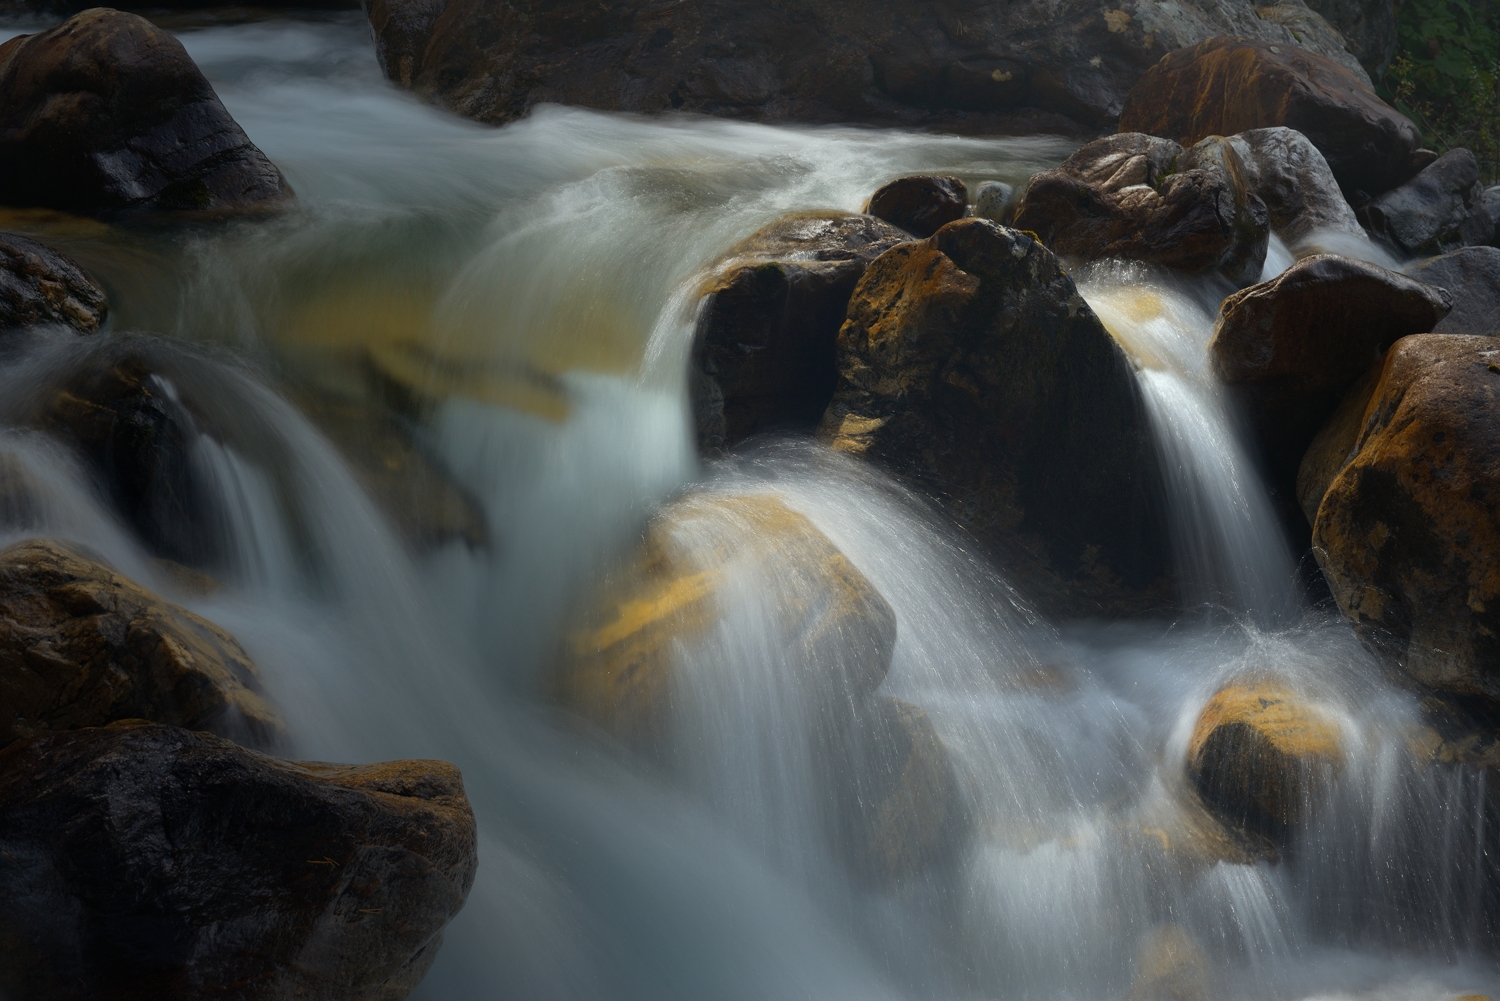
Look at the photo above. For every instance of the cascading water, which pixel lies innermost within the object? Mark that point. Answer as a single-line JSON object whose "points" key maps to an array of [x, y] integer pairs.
{"points": [[523, 297]]}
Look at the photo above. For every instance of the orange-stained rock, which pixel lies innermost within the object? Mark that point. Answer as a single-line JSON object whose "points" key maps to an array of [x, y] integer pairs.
{"points": [[1408, 533], [1227, 85], [621, 666], [1258, 752], [82, 646]]}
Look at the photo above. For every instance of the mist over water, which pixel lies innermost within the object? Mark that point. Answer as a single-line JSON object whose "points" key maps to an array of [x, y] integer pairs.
{"points": [[524, 298]]}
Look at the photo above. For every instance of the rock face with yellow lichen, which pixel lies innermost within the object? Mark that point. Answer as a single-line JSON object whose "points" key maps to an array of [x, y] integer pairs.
{"points": [[970, 367], [1408, 533]]}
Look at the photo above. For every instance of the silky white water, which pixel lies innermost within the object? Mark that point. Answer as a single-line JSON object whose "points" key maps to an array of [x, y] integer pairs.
{"points": [[524, 297]]}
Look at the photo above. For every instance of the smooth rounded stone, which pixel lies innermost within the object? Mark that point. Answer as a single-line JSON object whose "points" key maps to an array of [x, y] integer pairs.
{"points": [[971, 368], [762, 355], [1288, 174], [1170, 966], [82, 646], [1368, 27], [1489, 201], [972, 65], [150, 861], [901, 812], [1471, 275], [39, 285], [1260, 753], [995, 201], [622, 667], [1226, 86], [1333, 446], [1146, 199], [1439, 209], [1408, 533], [1292, 346], [920, 205], [140, 129]]}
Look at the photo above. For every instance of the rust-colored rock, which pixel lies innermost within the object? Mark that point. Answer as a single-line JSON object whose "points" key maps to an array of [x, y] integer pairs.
{"points": [[1228, 85], [763, 351], [1408, 533], [1292, 346], [82, 646], [1259, 752], [921, 205], [1147, 199], [39, 285], [147, 861], [971, 368], [107, 112]]}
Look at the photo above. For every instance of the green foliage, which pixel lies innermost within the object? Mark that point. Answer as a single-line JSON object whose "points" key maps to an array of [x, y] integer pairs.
{"points": [[1446, 74]]}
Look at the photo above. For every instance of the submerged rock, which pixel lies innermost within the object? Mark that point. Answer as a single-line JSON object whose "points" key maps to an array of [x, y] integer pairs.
{"points": [[763, 351], [921, 205], [1291, 346], [1439, 209], [1169, 966], [39, 285], [1471, 276], [1146, 199], [971, 368], [149, 861], [1302, 197], [1227, 85], [1407, 532], [82, 646], [107, 112], [1259, 753]]}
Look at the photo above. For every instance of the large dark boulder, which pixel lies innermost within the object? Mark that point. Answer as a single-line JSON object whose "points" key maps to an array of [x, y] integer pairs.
{"points": [[1439, 209], [82, 646], [1147, 199], [1227, 85], [921, 205], [39, 285], [971, 64], [147, 861], [106, 113], [971, 368], [1471, 276], [1290, 347], [762, 356]]}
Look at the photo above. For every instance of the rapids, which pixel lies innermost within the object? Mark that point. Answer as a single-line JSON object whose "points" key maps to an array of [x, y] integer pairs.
{"points": [[532, 288]]}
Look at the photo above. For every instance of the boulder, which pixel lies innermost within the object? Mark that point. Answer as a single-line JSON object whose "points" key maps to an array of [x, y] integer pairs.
{"points": [[971, 65], [149, 861], [1439, 209], [39, 285], [971, 368], [1259, 753], [1147, 199], [762, 353], [82, 646], [1471, 276], [107, 113], [1292, 346], [1302, 198], [621, 667], [1226, 85], [1333, 446], [1368, 27], [920, 205], [1408, 533], [1170, 966], [1489, 201]]}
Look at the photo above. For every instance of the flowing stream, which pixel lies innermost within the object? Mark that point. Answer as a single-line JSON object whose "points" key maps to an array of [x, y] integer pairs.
{"points": [[524, 296]]}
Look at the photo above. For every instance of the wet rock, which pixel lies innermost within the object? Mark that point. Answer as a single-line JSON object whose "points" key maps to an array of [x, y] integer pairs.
{"points": [[1439, 209], [1169, 966], [920, 205], [995, 201], [1259, 753], [1368, 27], [82, 646], [1333, 446], [1407, 532], [621, 668], [972, 65], [1292, 346], [1147, 199], [150, 861], [763, 350], [141, 128], [971, 368], [901, 811], [1226, 85], [39, 285], [1302, 198], [1490, 202], [1470, 275]]}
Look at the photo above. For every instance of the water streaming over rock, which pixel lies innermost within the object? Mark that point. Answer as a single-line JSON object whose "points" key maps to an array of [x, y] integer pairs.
{"points": [[522, 299]]}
